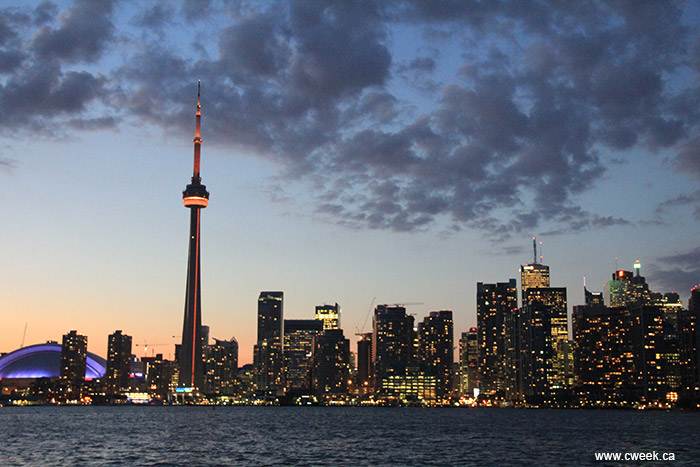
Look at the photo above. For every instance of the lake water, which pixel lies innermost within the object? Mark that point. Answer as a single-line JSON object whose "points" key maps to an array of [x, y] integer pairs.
{"points": [[337, 436]]}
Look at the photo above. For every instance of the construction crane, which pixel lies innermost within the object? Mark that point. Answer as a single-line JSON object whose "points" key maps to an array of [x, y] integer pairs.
{"points": [[358, 330], [24, 335], [147, 345], [404, 305], [359, 333]]}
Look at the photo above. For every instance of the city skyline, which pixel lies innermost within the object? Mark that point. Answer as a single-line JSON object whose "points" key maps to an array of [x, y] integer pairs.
{"points": [[316, 151]]}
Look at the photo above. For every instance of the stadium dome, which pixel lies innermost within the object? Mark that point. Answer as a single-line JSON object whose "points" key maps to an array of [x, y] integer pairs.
{"points": [[44, 361]]}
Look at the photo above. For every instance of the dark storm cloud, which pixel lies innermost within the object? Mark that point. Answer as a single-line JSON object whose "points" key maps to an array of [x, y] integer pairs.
{"points": [[546, 95]]}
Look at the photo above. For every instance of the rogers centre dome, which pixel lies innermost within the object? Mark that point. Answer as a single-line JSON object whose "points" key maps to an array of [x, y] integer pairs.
{"points": [[44, 361]]}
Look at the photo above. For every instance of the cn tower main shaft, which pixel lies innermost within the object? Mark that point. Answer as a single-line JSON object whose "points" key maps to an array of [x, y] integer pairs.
{"points": [[195, 197]]}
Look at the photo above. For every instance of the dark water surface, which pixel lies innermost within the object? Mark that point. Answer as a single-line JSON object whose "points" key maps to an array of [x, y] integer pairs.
{"points": [[337, 436]]}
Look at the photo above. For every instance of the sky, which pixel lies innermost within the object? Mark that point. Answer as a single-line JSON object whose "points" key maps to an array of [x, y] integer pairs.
{"points": [[356, 152]]}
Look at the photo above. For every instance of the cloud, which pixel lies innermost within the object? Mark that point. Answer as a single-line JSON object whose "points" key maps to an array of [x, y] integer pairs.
{"points": [[89, 124], [687, 199], [541, 97], [678, 273], [195, 9], [681, 200], [340, 48], [44, 13], [688, 159], [690, 259], [517, 131], [7, 163], [155, 17], [44, 91], [254, 47], [85, 30], [10, 60], [422, 64]]}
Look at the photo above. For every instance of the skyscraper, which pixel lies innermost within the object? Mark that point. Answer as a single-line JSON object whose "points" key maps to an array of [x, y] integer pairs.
{"points": [[554, 299], [195, 198], [221, 366], [159, 375], [694, 300], [533, 274], [298, 349], [364, 363], [530, 370], [118, 361], [73, 363], [393, 345], [330, 368], [593, 299], [495, 303], [626, 288], [435, 344], [330, 315], [671, 312], [619, 356], [689, 338], [73, 356], [270, 316], [468, 362], [268, 353], [604, 361]]}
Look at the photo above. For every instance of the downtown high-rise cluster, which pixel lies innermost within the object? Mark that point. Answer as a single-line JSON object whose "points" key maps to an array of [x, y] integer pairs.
{"points": [[309, 360], [630, 347]]}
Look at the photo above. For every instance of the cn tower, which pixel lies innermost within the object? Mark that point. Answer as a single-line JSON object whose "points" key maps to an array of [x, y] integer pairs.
{"points": [[195, 197]]}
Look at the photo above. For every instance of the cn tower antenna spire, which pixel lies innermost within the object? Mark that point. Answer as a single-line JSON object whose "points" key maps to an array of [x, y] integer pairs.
{"points": [[197, 138], [195, 198], [534, 248]]}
